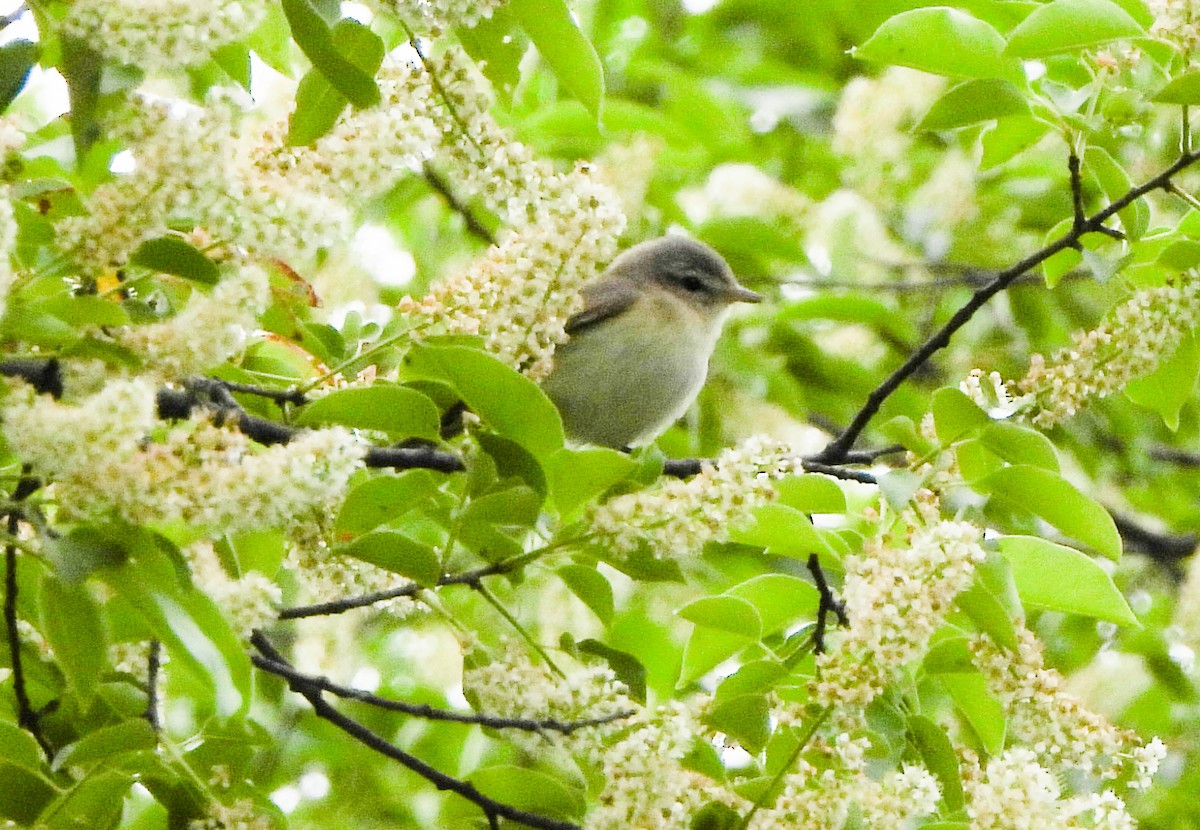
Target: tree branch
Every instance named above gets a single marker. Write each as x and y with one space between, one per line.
340 606
828 603
153 665
492 809
837 449
473 223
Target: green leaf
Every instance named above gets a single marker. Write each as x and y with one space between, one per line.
1135 218
716 816
176 256
811 494
85 310
982 712
16 60
1059 503
1009 138
1019 444
314 37
972 102
381 499
318 101
592 587
724 613
578 476
514 461
508 402
187 622
81 67
101 744
780 599
903 431
1055 267
755 677
496 49
746 719
940 758
993 602
95 802
1180 255
943 41
70 622
19 748
1059 578
1184 90
561 44
397 411
1171 384
955 415
1071 25
783 531
530 790
625 666
399 554
706 649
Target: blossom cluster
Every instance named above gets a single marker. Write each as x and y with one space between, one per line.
436 15
1130 343
1177 22
676 517
896 595
112 459
1064 734
8 239
240 815
249 601
160 34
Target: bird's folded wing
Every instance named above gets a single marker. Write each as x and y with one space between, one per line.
603 300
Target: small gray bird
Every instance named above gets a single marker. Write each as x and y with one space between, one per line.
638 352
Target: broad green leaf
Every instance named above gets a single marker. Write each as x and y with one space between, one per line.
1171 384
398 411
746 719
578 476
1181 255
1184 90
993 602
943 41
592 587
1135 218
16 60
19 748
984 714
189 624
1019 444
315 38
104 743
724 613
514 461
811 494
625 666
85 310
899 486
1069 25
780 599
955 415
496 49
940 758
755 677
715 816
975 460
706 649
530 790
176 256
508 402
553 30
399 554
903 431
95 802
1054 499
972 102
318 101
782 530
381 499
950 655
70 622
1009 138
81 67
1059 578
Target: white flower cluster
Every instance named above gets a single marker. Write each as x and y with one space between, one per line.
1064 734
160 34
1185 623
240 815
564 228
103 457
1177 22
249 601
1130 343
435 15
902 797
676 517
8 240
1014 790
896 596
209 329
322 575
738 189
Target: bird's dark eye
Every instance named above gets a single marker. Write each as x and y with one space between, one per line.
692 283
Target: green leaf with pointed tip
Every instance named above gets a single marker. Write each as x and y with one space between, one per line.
318 101
399 554
989 602
381 499
955 415
102 744
972 102
1054 499
811 494
16 60
398 411
706 649
782 530
70 622
724 613
1019 444
592 587
982 712
1184 90
176 256
315 38
507 401
578 476
628 669
19 748
780 599
1059 578
1135 217
94 802
745 718
1171 384
1071 25
530 790
943 41
553 30
940 758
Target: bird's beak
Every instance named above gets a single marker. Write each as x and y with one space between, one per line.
744 295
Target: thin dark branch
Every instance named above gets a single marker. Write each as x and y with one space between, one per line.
280 396
838 448
839 472
153 665
473 223
1173 455
828 603
1165 548
870 456
688 467
27 717
1074 168
494 810
409 589
428 712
